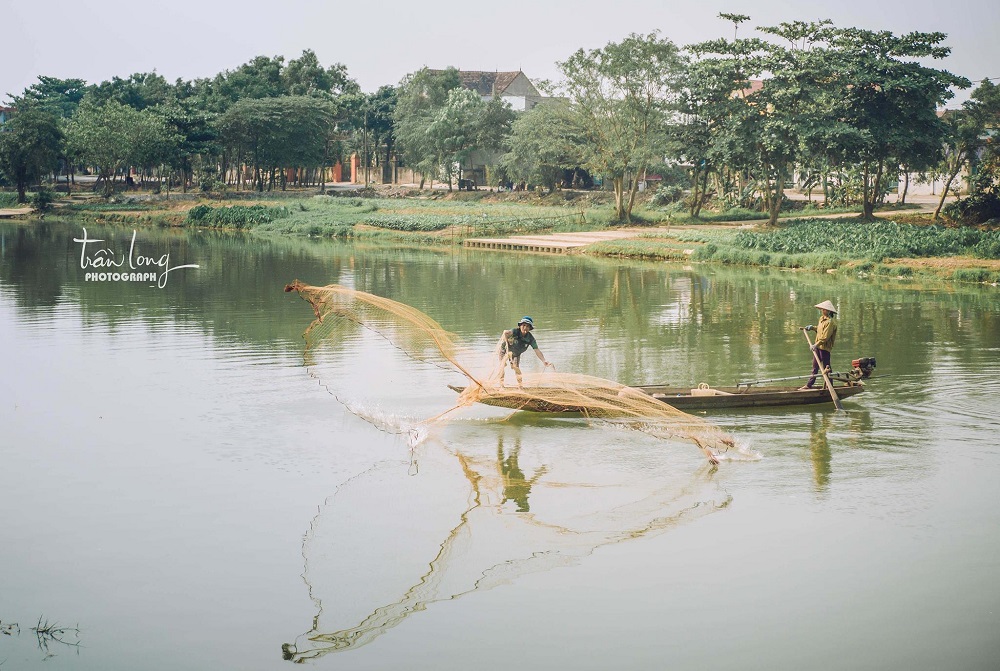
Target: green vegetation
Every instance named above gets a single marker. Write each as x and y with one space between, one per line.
240 217
356 217
848 109
977 275
876 240
851 245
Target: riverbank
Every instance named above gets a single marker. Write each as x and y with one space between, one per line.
905 241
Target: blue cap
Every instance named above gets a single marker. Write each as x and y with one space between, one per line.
527 320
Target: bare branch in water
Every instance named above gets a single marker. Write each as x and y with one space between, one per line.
51 632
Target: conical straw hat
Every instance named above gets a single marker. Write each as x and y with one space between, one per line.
827 305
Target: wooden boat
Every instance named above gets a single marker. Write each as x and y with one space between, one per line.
703 398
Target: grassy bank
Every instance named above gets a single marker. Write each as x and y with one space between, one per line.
907 246
880 247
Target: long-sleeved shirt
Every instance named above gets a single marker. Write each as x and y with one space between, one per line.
826 333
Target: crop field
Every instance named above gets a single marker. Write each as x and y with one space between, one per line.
877 240
356 217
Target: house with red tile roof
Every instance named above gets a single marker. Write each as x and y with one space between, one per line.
512 87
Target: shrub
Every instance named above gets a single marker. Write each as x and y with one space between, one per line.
666 195
198 213
980 207
42 199
973 275
239 217
988 247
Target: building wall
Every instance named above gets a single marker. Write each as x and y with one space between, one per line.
933 187
521 86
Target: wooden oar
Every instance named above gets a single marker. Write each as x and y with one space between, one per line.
822 369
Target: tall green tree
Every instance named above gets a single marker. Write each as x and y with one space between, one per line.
890 99
269 134
30 144
420 97
763 106
196 138
380 122
968 133
624 95
113 136
456 130
59 97
306 76
139 91
544 141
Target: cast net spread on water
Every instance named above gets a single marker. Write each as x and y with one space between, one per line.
422 338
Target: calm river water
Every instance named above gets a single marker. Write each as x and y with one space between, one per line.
183 487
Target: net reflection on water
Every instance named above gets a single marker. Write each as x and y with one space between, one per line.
395 539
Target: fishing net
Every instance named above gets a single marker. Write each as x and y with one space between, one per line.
478 518
421 338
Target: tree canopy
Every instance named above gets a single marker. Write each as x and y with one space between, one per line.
623 95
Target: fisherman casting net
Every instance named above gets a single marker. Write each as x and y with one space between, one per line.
421 338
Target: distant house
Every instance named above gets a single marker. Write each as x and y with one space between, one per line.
513 88
5 114
755 85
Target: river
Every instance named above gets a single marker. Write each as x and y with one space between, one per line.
182 486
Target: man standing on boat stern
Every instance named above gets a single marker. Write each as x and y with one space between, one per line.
513 343
826 334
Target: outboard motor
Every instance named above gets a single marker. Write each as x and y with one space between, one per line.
861 369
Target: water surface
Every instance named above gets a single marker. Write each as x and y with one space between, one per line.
183 486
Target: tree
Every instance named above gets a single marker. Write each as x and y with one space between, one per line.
890 102
544 141
114 136
420 96
623 95
139 91
195 135
30 143
305 76
457 129
59 97
763 106
272 133
380 123
966 135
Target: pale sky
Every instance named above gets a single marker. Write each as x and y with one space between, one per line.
381 41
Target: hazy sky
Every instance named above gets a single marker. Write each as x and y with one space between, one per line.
381 41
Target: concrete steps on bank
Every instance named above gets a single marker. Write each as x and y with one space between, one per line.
555 243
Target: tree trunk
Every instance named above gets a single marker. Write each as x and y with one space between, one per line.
947 185
695 197
906 187
775 198
866 200
704 191
877 197
618 186
632 192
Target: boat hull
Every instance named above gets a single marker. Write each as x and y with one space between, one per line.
718 398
